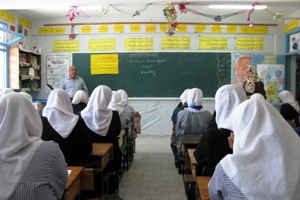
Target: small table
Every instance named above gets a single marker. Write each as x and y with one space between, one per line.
202 185
73 185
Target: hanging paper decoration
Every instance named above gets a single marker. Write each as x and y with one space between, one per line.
279 16
250 12
171 15
73 11
217 18
72 35
135 13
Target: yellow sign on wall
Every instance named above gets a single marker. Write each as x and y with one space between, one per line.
291 25
65 45
103 29
150 28
86 29
182 28
213 43
163 27
102 44
200 28
216 29
135 28
133 44
231 29
24 22
250 43
52 30
7 16
173 42
119 28
104 64
254 30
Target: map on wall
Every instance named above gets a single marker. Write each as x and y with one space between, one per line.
57 69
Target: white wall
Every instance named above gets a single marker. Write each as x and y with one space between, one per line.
274 44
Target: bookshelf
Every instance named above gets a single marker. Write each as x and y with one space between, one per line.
24 70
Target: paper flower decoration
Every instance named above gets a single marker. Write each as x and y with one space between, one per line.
73 11
171 16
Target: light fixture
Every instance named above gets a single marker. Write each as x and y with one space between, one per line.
259 7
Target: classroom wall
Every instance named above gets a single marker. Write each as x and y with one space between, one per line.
155 112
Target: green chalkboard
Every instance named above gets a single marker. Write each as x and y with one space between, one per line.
160 74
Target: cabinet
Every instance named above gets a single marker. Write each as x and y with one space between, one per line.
24 70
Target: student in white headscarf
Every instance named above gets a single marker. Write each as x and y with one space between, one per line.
28 96
79 101
213 145
129 110
104 124
174 138
193 120
30 167
257 96
289 108
6 91
62 126
266 157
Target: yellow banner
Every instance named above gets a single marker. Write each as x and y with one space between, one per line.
182 28
216 29
104 64
7 16
163 27
65 45
132 44
150 28
213 43
102 44
254 30
291 25
119 28
86 29
250 43
103 29
52 30
173 42
200 28
24 22
135 28
231 29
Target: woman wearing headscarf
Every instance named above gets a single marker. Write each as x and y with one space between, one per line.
266 157
213 145
257 96
253 83
79 101
62 126
104 124
129 110
289 108
193 120
174 138
30 167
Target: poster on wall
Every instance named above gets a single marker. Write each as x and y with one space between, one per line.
272 75
294 42
57 69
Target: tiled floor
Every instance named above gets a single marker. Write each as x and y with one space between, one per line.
152 175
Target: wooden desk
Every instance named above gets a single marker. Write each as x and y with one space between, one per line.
189 141
105 152
192 163
202 185
73 185
122 138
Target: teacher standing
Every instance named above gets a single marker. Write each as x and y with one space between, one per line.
73 83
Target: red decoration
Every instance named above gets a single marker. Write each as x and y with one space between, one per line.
73 11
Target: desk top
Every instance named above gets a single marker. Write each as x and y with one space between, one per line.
202 184
192 157
190 139
100 149
76 170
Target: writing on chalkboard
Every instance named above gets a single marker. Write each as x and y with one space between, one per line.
160 74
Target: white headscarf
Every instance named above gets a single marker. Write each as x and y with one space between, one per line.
287 97
183 96
124 96
28 96
97 115
116 103
226 99
6 91
59 112
20 136
266 156
195 97
79 96
257 96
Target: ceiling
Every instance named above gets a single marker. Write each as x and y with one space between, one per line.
39 9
